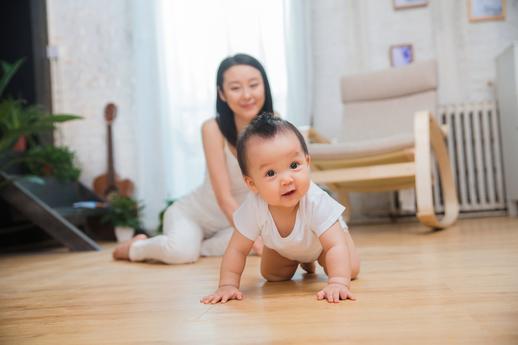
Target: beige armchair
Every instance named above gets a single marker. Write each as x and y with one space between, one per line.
389 137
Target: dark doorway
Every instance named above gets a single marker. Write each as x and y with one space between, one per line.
23 34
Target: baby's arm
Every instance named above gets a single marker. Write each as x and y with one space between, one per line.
337 264
232 267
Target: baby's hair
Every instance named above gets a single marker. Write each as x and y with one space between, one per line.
266 126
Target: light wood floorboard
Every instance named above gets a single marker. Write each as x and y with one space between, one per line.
456 286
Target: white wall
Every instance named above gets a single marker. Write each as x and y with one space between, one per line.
351 36
100 45
94 67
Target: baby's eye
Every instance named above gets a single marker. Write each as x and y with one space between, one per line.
270 173
294 165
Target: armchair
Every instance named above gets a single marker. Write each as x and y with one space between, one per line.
389 137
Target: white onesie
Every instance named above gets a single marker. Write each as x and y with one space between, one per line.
316 213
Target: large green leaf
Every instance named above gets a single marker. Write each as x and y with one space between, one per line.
59 118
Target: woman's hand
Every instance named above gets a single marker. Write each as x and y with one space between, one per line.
223 294
334 292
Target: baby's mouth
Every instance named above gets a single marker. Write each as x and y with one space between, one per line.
288 193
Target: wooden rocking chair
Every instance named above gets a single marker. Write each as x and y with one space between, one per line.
389 138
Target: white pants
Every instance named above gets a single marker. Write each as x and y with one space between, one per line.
183 241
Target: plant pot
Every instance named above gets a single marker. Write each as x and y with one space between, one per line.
21 144
124 233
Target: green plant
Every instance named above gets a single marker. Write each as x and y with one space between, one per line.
8 71
160 228
53 161
19 120
123 211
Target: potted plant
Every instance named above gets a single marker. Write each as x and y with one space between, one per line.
53 161
21 123
123 213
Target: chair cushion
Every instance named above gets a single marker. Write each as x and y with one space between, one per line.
360 148
420 76
384 118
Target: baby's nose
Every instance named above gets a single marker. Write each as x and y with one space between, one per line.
286 178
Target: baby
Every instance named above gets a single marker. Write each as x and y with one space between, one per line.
298 221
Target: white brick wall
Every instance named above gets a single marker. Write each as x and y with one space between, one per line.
351 36
94 67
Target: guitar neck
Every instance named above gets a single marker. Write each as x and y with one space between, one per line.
111 169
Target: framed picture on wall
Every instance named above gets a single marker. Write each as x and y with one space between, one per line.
403 4
482 10
401 54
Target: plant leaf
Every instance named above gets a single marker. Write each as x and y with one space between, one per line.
8 70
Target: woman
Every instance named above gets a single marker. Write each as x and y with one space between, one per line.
201 222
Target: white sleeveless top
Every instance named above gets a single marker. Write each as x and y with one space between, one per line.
201 204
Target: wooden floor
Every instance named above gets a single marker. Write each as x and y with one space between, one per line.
458 286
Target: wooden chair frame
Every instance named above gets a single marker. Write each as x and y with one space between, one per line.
399 169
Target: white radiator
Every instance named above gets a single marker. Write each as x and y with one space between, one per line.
474 149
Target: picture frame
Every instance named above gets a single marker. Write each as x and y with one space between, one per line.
486 10
401 54
405 4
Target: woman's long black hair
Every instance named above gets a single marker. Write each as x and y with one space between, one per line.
225 116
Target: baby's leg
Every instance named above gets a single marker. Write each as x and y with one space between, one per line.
309 267
275 267
354 259
180 243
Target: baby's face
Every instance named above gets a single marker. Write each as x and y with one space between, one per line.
278 169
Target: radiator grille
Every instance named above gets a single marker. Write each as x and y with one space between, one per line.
474 150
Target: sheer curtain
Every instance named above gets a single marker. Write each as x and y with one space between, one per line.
190 39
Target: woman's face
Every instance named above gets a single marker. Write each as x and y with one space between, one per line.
243 91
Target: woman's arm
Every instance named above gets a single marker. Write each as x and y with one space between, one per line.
213 148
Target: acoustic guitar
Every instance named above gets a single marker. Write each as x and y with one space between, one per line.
109 183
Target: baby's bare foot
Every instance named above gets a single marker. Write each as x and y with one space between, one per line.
121 252
309 267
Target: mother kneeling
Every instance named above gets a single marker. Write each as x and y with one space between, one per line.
200 223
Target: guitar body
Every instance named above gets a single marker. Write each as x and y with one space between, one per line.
103 187
108 183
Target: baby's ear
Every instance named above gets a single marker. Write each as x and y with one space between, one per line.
250 184
308 159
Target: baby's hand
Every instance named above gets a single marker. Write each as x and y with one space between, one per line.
223 294
334 292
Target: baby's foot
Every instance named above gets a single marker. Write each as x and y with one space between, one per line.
121 252
309 267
